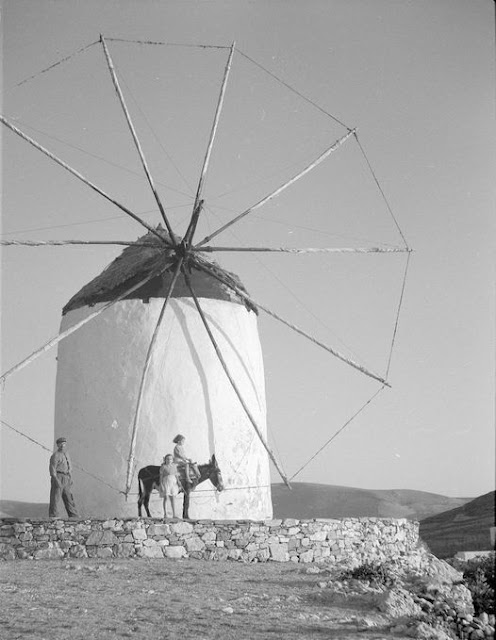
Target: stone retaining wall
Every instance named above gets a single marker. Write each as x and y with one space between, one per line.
359 539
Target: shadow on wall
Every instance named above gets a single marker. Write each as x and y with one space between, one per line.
181 318
233 346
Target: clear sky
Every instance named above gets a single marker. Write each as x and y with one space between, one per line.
416 79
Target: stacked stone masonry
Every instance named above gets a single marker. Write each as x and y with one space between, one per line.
359 539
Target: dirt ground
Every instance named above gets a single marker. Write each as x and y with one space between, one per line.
169 599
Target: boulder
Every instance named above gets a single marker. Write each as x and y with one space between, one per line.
279 552
174 552
307 556
48 554
158 530
221 553
78 551
397 603
123 550
181 528
101 539
155 551
194 544
441 572
139 534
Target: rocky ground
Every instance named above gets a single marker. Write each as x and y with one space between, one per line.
168 599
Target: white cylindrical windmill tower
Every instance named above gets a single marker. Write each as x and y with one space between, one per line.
186 389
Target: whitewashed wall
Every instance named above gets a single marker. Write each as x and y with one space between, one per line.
187 391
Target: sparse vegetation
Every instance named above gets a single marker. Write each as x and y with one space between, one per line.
479 577
376 574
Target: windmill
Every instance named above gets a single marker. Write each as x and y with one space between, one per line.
167 268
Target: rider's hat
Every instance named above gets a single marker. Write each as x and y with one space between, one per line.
178 438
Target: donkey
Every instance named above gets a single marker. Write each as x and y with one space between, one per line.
149 479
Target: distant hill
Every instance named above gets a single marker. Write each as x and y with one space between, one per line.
465 528
308 500
18 509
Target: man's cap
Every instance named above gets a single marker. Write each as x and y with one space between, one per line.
60 440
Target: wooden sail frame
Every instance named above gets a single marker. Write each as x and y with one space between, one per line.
184 254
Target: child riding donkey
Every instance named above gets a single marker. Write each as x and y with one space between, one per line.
191 471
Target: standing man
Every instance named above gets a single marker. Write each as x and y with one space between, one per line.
61 481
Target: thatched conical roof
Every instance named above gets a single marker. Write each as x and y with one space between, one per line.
141 259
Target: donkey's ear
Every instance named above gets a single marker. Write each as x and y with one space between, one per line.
213 458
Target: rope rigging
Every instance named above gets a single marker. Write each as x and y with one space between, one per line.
291 292
288 86
97 157
335 145
381 190
330 250
88 473
189 251
190 189
397 319
341 429
104 482
55 64
159 141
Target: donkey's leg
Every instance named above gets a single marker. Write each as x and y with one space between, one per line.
186 504
145 502
140 497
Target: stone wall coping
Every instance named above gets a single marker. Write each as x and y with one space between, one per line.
272 522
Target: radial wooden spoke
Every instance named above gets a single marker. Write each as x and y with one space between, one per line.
78 175
243 295
218 110
211 249
134 134
277 191
59 243
148 359
51 343
234 385
188 236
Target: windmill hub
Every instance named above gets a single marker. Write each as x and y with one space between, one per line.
182 250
